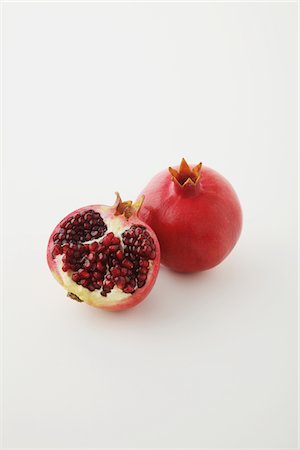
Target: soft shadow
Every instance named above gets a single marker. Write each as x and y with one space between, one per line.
173 294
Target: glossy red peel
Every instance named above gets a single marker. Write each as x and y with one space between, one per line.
195 214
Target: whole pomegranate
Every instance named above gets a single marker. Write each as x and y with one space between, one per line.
195 214
105 255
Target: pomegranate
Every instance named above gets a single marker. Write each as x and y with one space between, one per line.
195 214
105 256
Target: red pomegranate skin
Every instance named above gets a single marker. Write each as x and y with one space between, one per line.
197 224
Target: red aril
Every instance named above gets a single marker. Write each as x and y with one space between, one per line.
105 255
195 214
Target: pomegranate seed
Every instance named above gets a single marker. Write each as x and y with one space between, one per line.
102 257
92 257
132 282
97 275
142 277
56 251
65 267
115 271
94 246
115 241
119 255
106 289
65 223
120 282
113 248
152 255
128 289
100 266
107 239
87 264
85 274
76 277
128 264
109 284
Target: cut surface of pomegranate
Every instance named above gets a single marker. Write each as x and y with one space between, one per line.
195 214
105 256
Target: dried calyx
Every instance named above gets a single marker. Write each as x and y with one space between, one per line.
186 175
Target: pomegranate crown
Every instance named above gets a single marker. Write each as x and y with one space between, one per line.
185 175
127 208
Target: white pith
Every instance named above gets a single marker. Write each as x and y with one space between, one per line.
116 225
83 293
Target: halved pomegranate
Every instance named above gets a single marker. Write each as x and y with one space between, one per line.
105 255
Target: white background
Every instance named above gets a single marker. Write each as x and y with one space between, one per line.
99 97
